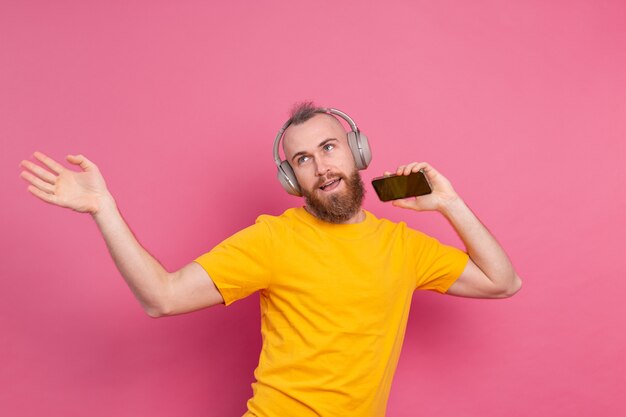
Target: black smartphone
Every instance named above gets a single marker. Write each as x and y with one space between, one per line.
395 187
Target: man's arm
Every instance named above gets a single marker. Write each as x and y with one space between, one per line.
159 291
489 272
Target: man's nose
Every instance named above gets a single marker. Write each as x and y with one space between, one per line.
321 168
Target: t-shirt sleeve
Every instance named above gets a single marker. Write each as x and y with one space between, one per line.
437 265
241 264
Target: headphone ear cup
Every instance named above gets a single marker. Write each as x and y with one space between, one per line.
365 149
288 179
360 148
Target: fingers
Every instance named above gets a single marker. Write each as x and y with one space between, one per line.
47 176
404 203
42 185
49 162
48 198
410 168
414 167
80 160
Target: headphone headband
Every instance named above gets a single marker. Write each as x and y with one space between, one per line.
357 142
325 110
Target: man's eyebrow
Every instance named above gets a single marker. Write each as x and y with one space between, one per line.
321 144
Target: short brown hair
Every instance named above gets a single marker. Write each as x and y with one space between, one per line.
301 112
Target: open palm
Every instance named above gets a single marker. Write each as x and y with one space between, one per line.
81 191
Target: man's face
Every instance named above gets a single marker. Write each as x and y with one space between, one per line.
318 152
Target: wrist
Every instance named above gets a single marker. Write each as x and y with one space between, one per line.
105 204
451 206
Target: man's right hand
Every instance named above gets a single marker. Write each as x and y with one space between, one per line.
160 292
84 191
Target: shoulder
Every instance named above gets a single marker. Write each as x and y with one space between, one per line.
385 224
270 220
278 224
401 230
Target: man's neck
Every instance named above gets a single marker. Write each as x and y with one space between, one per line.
358 217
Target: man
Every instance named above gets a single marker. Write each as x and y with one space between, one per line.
335 282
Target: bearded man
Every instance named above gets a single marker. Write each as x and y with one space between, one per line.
335 281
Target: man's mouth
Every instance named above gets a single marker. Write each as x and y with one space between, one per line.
330 184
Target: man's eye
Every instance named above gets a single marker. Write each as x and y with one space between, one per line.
329 147
302 160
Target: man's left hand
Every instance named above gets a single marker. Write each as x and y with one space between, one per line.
443 194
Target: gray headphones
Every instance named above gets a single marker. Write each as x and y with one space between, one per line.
357 142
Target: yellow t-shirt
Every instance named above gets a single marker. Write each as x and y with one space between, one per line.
334 305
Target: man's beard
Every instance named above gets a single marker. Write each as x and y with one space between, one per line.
338 207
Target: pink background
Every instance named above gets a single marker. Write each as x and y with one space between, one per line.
521 104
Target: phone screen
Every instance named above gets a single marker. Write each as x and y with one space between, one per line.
395 187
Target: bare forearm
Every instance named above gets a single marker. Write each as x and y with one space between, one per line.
143 273
481 246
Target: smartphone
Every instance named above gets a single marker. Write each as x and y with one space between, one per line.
395 187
